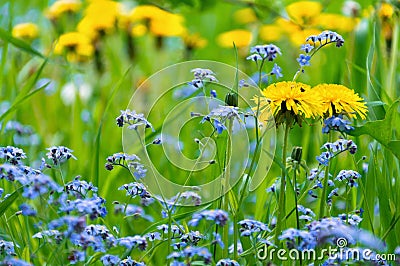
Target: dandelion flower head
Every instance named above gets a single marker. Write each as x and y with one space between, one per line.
338 99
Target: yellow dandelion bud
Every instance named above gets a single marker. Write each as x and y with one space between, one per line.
241 38
25 31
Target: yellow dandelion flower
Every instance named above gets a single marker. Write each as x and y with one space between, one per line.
270 33
160 22
245 16
289 101
304 12
242 38
106 8
167 25
146 12
193 41
75 45
93 24
25 31
63 6
338 99
386 11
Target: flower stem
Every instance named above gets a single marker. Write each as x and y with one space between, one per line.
295 197
281 207
226 185
260 73
325 185
235 236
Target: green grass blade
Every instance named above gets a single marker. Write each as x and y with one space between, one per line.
7 37
5 204
20 101
96 159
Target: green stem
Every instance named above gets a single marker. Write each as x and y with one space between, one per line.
226 185
296 202
169 229
235 237
281 207
325 184
295 196
348 189
259 73
393 62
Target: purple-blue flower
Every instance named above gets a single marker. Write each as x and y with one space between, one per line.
304 60
306 48
220 217
109 260
277 71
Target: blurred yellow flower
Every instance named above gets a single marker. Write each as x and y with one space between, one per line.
385 11
241 38
270 33
160 22
146 12
289 101
75 45
338 99
25 31
138 30
304 12
286 25
62 6
167 25
245 16
193 41
299 37
337 22
100 18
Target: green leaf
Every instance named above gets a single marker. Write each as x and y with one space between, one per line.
382 130
5 204
26 254
7 37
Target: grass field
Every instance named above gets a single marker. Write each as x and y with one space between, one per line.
199 132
